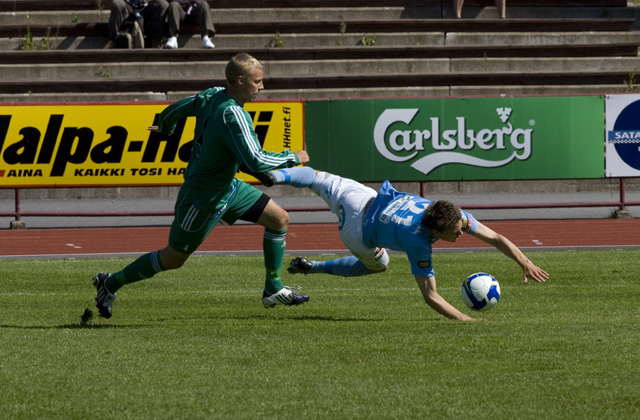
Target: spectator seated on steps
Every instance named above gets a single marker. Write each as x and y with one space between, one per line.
190 11
130 20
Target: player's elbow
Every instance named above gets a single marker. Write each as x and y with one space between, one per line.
253 166
494 241
431 298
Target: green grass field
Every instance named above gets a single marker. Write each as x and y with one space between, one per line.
197 344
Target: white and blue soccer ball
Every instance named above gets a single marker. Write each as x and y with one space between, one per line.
480 291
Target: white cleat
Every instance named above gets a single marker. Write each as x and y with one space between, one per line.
284 296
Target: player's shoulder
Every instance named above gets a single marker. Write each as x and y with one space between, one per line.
232 111
212 91
211 96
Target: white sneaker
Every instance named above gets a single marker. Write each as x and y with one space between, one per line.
172 43
206 43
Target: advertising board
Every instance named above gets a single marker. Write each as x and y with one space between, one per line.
451 139
110 145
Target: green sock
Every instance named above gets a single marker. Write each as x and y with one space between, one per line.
146 266
273 244
273 283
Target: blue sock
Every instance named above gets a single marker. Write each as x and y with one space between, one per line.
300 177
345 267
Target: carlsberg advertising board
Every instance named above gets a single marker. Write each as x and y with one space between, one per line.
458 138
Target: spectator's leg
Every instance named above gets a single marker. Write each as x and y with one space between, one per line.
154 17
203 14
120 11
502 8
457 7
175 15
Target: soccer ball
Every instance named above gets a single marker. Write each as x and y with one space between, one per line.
480 291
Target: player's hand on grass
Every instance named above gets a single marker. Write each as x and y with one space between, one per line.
302 156
536 273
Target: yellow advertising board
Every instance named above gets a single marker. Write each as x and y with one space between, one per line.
109 144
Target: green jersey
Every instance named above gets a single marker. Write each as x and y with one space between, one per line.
223 139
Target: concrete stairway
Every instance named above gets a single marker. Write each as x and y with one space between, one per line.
391 48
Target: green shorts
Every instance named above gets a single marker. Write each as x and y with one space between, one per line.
191 225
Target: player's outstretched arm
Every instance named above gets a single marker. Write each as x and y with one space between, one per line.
427 286
504 245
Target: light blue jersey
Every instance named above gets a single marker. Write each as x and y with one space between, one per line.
394 222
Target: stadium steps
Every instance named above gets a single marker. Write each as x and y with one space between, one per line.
313 81
557 11
35 5
53 57
419 51
397 40
99 29
326 71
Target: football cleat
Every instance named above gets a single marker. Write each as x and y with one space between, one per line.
285 296
104 298
266 178
300 265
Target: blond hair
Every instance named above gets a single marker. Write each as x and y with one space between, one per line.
240 65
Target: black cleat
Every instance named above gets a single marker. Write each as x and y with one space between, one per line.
299 265
285 296
266 178
104 298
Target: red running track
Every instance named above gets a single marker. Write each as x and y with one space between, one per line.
307 237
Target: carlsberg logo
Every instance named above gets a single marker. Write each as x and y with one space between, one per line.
451 145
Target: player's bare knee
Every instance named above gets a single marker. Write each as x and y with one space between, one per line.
283 220
274 217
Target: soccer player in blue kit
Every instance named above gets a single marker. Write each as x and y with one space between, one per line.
371 221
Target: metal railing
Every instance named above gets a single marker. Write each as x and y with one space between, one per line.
621 204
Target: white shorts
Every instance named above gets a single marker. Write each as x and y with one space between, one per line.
347 198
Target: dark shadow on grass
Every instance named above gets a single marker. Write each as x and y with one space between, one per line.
68 327
281 317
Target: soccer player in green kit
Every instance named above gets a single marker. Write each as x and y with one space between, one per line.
224 139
